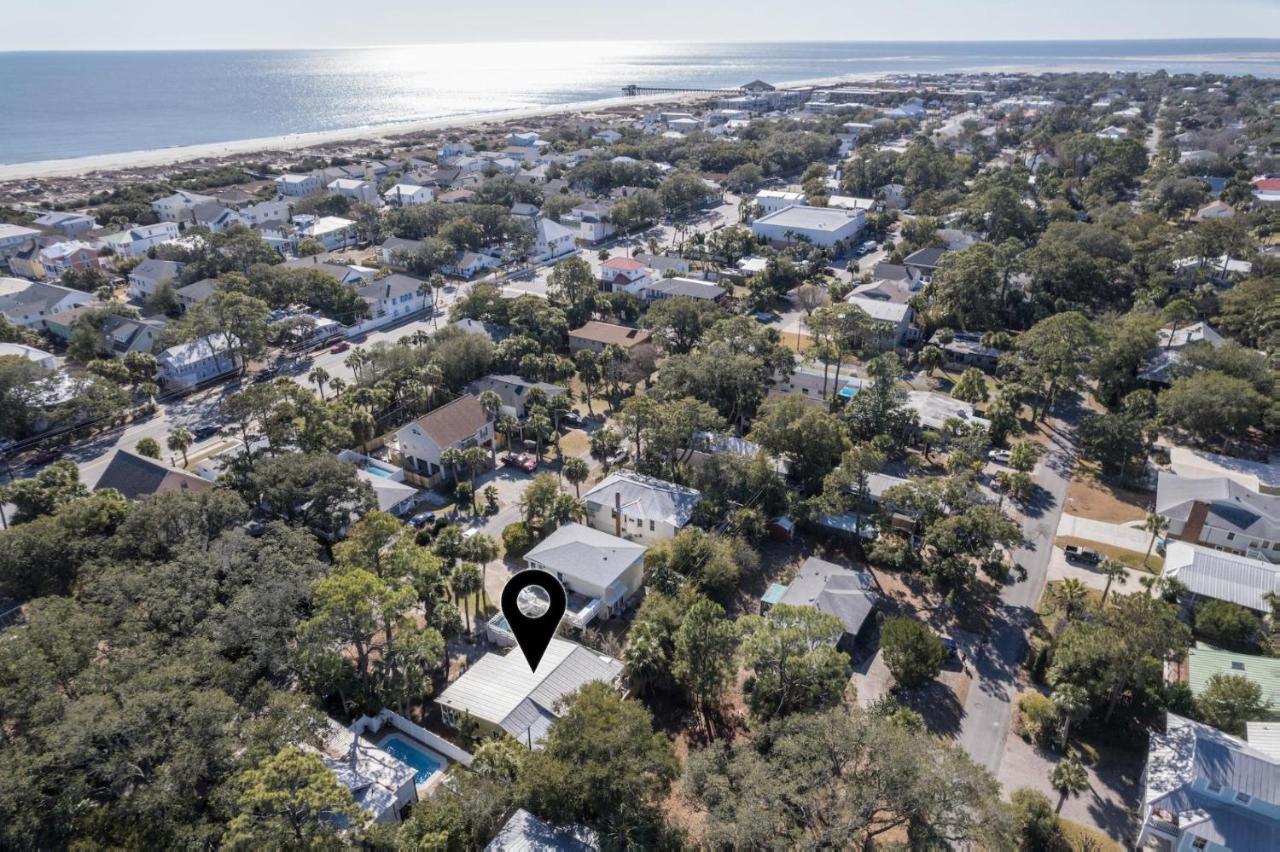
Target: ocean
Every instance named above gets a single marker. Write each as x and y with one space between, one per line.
57 105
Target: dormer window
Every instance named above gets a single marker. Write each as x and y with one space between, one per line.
1244 798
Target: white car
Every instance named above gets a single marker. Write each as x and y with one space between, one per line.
1000 456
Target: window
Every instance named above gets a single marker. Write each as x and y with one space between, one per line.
1231 536
1215 787
1199 843
1237 665
651 526
1244 798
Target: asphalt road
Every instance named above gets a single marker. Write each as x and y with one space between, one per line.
988 708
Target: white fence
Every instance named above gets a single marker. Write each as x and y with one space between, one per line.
373 725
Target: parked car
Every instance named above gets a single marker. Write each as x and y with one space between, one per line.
339 347
421 519
572 419
1082 554
45 457
764 317
1000 456
617 458
204 433
264 375
523 461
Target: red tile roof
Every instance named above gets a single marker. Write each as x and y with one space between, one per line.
1268 184
627 264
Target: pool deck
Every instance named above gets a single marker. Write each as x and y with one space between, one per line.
435 780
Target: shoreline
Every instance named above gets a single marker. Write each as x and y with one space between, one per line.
124 161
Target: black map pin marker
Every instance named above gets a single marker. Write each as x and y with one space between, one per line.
533 635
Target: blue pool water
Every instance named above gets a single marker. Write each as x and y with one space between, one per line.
373 470
424 763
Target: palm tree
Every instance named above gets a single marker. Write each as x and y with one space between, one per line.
437 284
451 458
1112 569
1072 702
465 582
179 440
1069 597
319 377
576 470
473 458
540 424
1069 778
337 385
355 361
1155 524
492 404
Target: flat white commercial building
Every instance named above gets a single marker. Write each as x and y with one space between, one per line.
821 226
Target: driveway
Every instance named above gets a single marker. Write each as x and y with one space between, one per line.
1116 535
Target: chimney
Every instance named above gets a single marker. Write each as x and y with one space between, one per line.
617 513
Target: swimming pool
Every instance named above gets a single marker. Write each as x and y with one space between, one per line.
374 470
424 763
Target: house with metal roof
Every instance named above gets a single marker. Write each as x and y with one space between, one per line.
524 832
819 226
501 693
603 570
1162 364
847 594
1204 661
1222 513
935 409
189 364
668 288
638 507
1218 575
1204 789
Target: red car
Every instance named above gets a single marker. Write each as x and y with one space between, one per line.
339 347
524 461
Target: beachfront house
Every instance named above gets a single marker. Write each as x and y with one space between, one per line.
332 232
298 186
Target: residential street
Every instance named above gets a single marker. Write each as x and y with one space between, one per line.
997 657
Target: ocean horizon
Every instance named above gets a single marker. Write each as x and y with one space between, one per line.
70 104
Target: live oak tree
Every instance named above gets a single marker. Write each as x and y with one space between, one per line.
1050 357
913 653
1228 701
843 779
794 664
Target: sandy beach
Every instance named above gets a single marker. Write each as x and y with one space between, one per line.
131 160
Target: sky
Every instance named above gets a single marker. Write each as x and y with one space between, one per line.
228 24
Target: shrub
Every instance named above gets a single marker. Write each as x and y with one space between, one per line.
1039 717
518 539
1036 822
911 650
1225 623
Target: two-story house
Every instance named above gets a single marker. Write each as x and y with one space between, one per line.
625 274
641 508
604 570
1206 790
298 186
460 424
179 206
150 275
59 258
189 364
515 392
392 298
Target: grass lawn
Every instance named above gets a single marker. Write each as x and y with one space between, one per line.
1131 558
1083 837
1090 497
575 443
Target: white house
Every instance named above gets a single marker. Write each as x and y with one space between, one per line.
362 191
524 832
39 357
297 186
150 275
178 206
275 210
332 232
935 409
1222 513
605 570
773 200
138 241
460 424
1206 790
821 226
391 491
593 221
610 137
393 297
890 320
408 194
189 364
501 693
552 240
14 238
641 508
624 273
30 303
